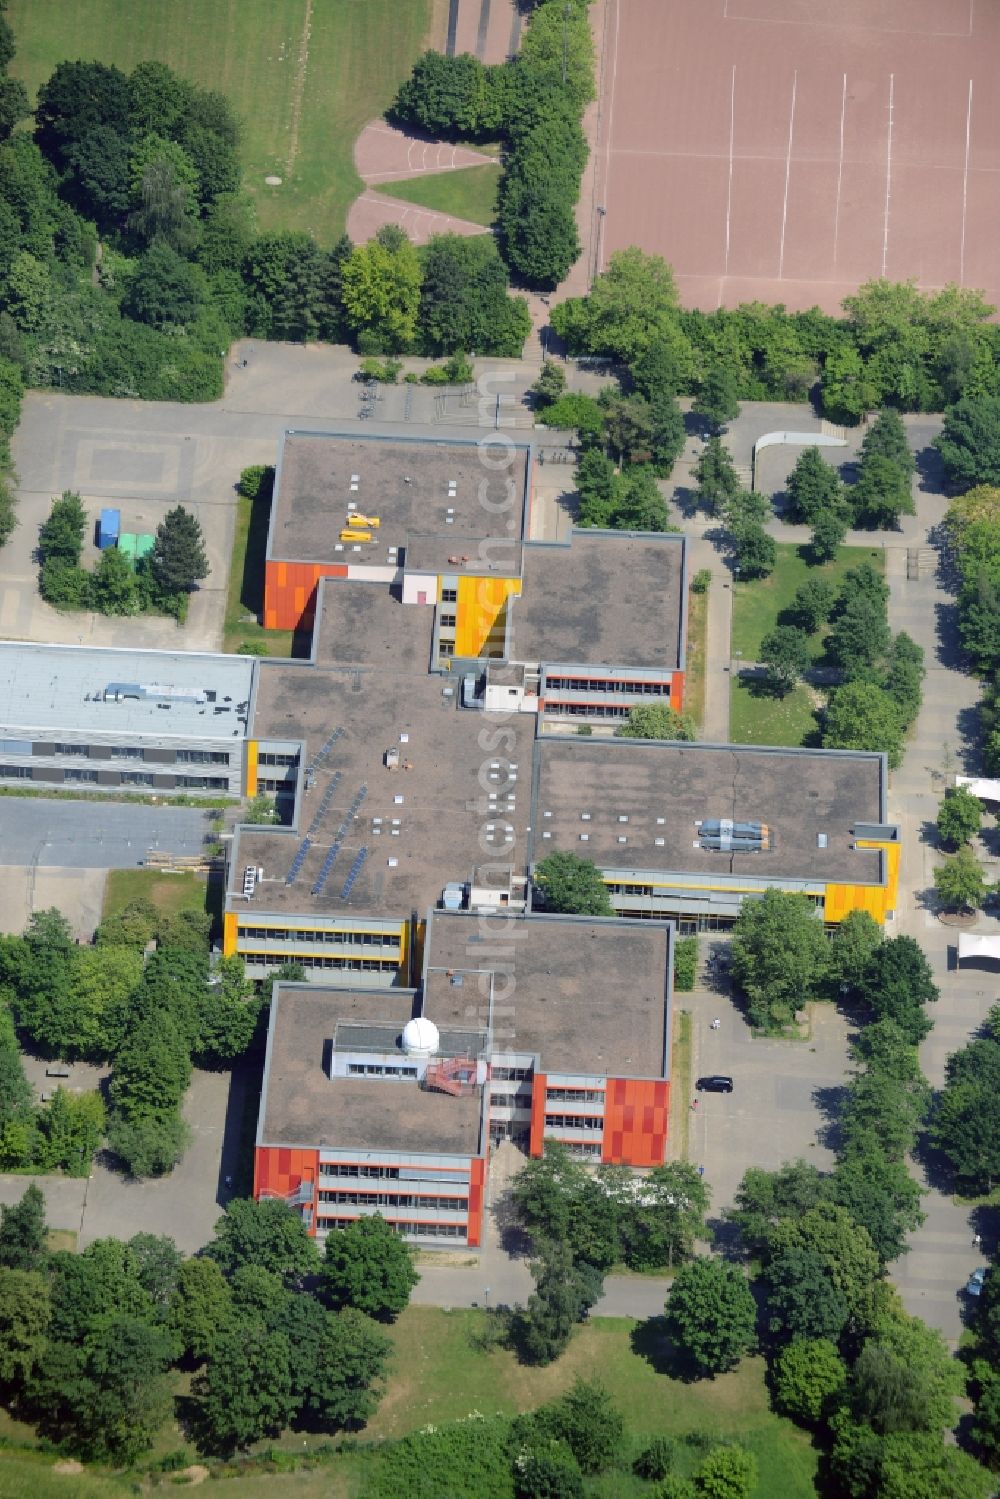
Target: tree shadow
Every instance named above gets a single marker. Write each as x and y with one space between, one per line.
650 1341
829 1103
515 1240
930 472
850 471
727 1239
948 648
938 1173
970 732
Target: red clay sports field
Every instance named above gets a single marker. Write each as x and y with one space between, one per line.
787 150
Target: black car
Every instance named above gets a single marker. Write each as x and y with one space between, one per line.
714 1084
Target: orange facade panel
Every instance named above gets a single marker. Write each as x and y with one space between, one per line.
539 1087
677 691
477 1192
636 1116
279 1170
290 592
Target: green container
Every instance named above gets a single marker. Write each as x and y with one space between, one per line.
145 544
128 544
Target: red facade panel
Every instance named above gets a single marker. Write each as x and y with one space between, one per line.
279 1170
636 1115
538 1089
477 1192
677 691
290 592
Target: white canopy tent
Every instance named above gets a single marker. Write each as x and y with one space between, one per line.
978 945
986 790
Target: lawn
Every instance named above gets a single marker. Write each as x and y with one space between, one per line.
245 597
694 666
470 193
170 893
770 720
304 75
22 1474
757 605
680 1085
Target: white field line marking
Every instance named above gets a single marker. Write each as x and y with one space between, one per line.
888 176
788 173
299 87
729 190
965 186
972 12
611 111
840 172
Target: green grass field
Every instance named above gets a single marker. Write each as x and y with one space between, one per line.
168 892
770 720
304 76
245 598
470 193
756 605
694 673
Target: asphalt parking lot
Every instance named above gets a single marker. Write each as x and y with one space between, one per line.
38 831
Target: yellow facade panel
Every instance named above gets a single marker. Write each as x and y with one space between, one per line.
252 749
479 606
229 934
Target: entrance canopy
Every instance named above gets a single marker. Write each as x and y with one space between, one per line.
978 945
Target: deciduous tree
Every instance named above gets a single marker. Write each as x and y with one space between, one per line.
369 1267
656 721
711 1315
779 955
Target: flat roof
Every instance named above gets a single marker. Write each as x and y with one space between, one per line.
182 693
609 598
585 995
436 488
663 790
438 830
366 624
301 1105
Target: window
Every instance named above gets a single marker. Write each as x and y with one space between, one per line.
449 595
269 758
446 647
574 1095
449 621
582 1150
126 752
202 757
337 1168
345 1197
81 775
15 772
71 749
204 783
378 1069
136 778
574 1121
511 1074
320 936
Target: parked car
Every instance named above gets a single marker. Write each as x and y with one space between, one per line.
975 1282
714 1084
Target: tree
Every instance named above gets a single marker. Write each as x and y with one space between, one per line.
546 1469
860 636
905 1378
14 105
844 1247
779 955
267 1234
899 984
960 816
148 1144
587 1420
166 289
880 1195
802 1300
569 883
61 536
728 1473
814 488
716 402
656 721
809 1376
754 551
860 716
639 504
716 477
178 558
369 1267
114 588
886 438
903 1465
655 1461
245 1389
228 1012
765 1198
561 1202
882 493
200 1307
631 309
157 98
959 883
106 1398
812 604
828 532
550 385
985 1426
338 1360
666 434
446 97
100 182
786 655
711 1315
163 192
969 443
23 1232
381 292
24 1320
77 98
70 1129
465 304
965 1125
855 939
564 1293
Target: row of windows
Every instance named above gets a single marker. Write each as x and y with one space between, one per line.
337 1168
15 772
266 757
574 1095
133 752
346 1198
511 1074
424 1230
609 684
581 1150
319 936
587 710
202 757
266 784
204 783
377 1069
310 960
126 778
574 1121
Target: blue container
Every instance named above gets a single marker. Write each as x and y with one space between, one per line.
111 524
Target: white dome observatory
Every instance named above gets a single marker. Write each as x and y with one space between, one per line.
420 1037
